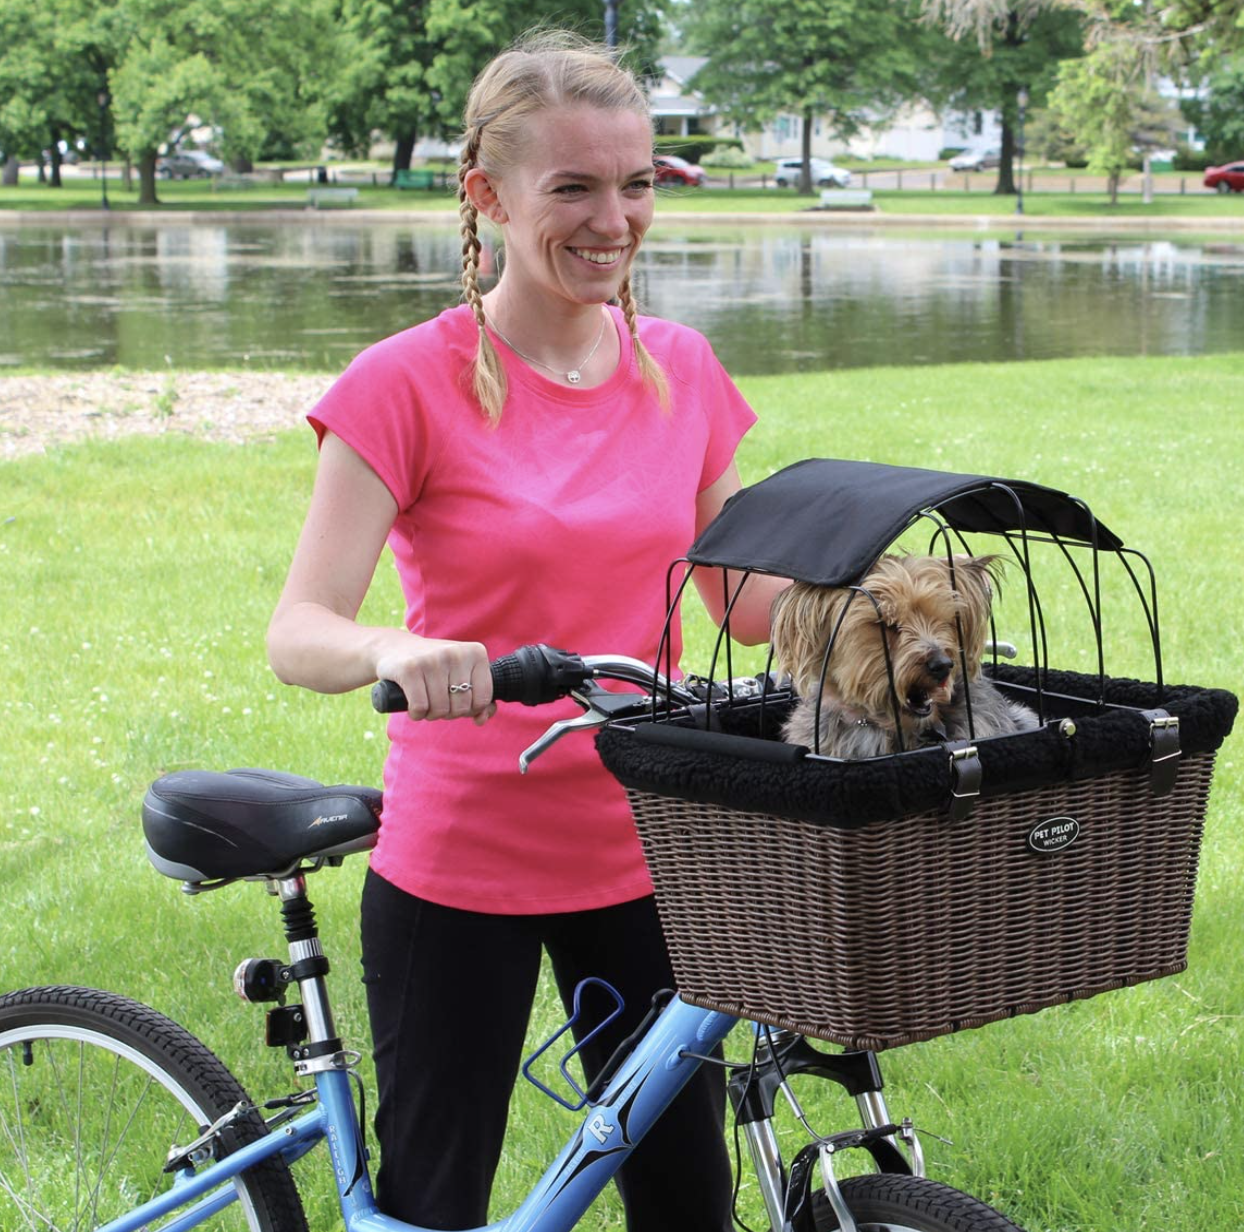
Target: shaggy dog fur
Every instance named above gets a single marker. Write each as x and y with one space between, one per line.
897 656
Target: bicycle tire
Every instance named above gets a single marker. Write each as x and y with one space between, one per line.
94 1091
890 1202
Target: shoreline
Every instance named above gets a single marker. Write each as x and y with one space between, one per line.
810 217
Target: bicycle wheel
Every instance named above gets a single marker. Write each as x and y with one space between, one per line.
888 1202
95 1089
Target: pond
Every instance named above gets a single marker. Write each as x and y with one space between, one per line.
771 299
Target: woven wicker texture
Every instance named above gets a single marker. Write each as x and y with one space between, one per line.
907 929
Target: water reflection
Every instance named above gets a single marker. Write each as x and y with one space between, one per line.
770 299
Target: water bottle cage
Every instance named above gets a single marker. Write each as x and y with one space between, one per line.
581 1097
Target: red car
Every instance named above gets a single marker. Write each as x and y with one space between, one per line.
673 170
1227 178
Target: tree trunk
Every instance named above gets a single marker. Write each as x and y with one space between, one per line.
403 152
805 149
1005 186
54 158
8 177
1006 162
1113 184
243 166
147 178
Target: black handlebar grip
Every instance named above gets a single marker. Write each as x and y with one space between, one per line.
532 675
387 697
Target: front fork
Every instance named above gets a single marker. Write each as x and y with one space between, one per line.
780 1056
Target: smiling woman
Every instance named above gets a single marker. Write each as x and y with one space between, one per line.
534 458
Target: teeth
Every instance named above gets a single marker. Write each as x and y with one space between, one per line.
598 258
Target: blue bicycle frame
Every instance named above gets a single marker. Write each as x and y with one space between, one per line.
639 1092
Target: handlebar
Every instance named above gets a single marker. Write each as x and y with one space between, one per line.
537 675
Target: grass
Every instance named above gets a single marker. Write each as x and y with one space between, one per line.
139 576
84 196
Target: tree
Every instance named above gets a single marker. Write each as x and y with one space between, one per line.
1219 115
1000 51
468 33
206 58
850 61
52 67
1107 100
384 84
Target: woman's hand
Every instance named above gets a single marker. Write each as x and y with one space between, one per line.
441 679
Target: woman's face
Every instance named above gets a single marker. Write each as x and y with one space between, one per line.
575 203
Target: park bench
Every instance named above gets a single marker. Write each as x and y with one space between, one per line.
319 198
846 199
419 177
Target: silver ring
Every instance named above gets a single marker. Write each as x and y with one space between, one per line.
464 687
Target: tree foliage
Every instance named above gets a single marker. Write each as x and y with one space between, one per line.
848 61
1219 114
1109 102
201 58
999 52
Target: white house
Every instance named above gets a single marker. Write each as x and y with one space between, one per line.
916 132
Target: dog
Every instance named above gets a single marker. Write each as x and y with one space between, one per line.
922 623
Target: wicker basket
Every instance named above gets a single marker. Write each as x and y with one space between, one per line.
892 899
889 933
841 900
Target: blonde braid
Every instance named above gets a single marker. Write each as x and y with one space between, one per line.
487 374
650 371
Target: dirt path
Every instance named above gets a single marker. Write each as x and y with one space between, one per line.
39 412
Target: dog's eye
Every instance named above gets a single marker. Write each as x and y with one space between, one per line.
891 626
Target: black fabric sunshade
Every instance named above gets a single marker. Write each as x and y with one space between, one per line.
826 521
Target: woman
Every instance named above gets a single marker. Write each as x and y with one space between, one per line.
535 459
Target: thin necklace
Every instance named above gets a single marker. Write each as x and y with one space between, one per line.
575 375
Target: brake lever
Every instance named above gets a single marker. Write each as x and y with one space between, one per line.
600 706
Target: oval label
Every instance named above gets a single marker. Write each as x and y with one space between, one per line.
1056 834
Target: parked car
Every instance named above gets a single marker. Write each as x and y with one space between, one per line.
976 160
1227 178
188 165
671 169
824 173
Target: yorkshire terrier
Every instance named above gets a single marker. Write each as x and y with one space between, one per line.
931 621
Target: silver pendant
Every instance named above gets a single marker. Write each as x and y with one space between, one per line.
573 376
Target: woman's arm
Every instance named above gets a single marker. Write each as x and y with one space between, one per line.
749 618
314 638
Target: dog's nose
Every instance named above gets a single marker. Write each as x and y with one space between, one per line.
938 666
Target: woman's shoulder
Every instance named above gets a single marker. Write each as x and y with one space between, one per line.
440 338
657 331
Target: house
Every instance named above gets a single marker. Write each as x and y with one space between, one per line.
916 132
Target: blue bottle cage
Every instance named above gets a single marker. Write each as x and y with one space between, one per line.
571 1082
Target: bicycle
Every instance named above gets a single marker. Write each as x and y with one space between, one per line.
114 1117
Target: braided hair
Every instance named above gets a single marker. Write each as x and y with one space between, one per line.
542 70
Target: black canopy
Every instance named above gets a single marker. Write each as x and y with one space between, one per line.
827 521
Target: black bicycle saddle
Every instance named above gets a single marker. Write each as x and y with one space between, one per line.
207 825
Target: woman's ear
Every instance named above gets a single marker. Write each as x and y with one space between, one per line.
481 191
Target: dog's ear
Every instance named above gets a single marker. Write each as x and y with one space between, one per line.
974 579
802 620
977 577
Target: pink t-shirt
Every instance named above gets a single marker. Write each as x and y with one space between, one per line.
557 526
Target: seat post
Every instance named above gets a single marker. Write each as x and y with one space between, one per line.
308 967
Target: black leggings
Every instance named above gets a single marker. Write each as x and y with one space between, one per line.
449 994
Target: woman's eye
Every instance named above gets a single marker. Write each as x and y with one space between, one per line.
640 185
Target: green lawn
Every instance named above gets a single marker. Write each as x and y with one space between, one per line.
83 197
138 578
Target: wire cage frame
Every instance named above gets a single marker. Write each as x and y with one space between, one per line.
1023 516
878 902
